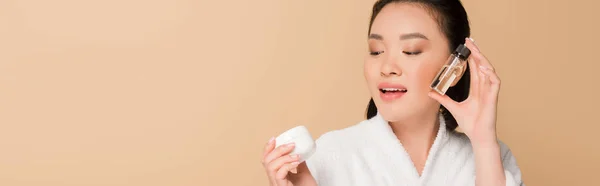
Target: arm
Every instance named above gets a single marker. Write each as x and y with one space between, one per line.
494 164
488 163
511 169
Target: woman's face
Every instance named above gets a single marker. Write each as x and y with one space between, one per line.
407 49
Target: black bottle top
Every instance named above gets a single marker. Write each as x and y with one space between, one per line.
462 52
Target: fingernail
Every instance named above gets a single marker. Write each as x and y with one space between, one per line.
295 163
294 170
290 144
484 68
294 156
474 44
271 140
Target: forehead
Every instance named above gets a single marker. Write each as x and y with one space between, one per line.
401 18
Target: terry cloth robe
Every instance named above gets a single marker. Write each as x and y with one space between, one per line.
370 154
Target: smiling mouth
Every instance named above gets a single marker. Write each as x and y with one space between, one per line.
392 90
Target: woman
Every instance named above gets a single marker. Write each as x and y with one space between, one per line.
409 137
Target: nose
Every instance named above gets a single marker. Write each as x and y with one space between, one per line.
390 67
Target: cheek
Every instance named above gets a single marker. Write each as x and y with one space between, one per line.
371 72
425 74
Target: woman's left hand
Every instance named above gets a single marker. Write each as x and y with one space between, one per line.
476 116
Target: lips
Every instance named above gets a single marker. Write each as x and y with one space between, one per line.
391 91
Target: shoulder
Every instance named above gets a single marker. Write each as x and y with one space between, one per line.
336 145
348 133
344 139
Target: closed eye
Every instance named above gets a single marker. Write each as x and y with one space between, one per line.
411 53
376 53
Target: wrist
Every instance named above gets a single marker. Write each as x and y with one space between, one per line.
487 137
488 140
485 145
488 143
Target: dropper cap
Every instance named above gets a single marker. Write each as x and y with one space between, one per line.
462 51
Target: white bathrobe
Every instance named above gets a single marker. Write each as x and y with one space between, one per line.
369 154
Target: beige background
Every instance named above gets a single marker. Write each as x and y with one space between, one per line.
182 92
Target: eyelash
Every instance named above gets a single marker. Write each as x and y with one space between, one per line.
405 52
411 53
376 53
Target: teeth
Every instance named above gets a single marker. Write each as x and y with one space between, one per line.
393 89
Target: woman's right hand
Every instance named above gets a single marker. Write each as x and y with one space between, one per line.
278 164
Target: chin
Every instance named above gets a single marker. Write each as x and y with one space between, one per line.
393 112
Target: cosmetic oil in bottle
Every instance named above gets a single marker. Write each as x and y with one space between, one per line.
451 70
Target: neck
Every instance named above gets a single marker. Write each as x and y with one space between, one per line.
418 131
417 137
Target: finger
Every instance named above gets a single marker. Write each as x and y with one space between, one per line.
279 151
269 147
276 164
493 76
494 79
483 61
294 171
474 85
470 43
486 81
283 171
483 85
446 101
476 53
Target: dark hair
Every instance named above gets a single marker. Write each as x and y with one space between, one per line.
454 24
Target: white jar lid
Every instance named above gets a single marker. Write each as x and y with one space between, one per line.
304 144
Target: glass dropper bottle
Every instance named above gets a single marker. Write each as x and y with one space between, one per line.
452 70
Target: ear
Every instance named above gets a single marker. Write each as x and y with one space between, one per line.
460 75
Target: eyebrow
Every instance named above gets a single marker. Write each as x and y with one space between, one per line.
414 35
375 36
